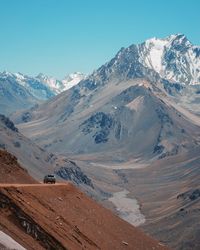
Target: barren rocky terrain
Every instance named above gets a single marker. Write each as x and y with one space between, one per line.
171 208
11 171
47 216
128 135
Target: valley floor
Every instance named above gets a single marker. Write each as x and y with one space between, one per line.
151 194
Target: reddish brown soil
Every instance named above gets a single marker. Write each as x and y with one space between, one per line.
11 171
67 217
48 216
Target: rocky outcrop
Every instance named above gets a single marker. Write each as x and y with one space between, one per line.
73 173
190 195
8 123
99 124
41 161
26 223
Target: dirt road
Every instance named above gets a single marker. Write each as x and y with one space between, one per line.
32 185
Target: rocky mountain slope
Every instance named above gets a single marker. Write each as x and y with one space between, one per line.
134 124
11 171
61 217
36 160
169 193
112 116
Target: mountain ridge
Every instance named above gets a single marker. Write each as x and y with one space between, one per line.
130 127
19 91
171 57
110 91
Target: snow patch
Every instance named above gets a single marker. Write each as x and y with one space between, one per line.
9 242
58 86
153 53
128 208
174 58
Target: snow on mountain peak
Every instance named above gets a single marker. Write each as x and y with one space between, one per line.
58 86
153 52
19 75
160 43
6 74
72 79
173 57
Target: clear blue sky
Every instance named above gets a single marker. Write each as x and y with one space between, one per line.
57 37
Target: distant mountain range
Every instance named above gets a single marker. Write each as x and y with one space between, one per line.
173 59
131 98
20 91
58 86
132 124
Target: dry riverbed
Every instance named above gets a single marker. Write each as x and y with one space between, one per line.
128 208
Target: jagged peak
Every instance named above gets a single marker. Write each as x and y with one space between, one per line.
180 39
41 75
17 75
175 36
6 73
169 40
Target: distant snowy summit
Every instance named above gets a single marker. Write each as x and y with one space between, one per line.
42 87
58 86
73 79
19 91
32 85
175 58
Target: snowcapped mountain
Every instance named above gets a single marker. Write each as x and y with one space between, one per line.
58 86
123 102
33 85
19 91
125 115
14 96
174 58
72 79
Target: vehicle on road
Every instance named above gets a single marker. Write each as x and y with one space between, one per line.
50 178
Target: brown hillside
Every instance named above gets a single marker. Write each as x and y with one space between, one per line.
61 217
46 216
11 171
